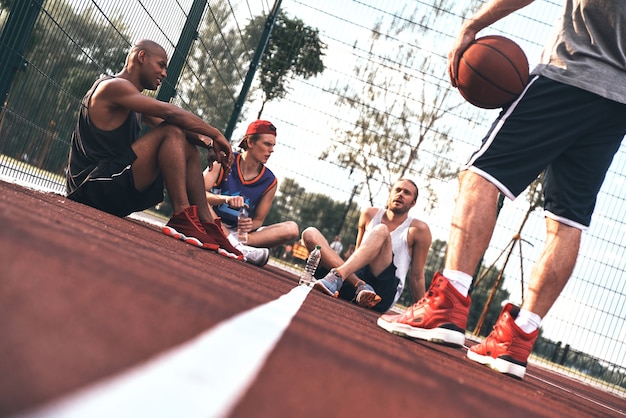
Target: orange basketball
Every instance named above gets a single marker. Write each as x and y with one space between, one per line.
493 71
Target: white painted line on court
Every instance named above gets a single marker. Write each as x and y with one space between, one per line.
204 377
586 398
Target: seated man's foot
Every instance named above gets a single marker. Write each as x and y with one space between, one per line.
253 255
226 249
186 226
366 296
330 284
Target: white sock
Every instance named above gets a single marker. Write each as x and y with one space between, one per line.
233 240
527 321
459 280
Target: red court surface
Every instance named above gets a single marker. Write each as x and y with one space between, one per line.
85 296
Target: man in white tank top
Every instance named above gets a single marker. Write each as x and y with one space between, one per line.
389 245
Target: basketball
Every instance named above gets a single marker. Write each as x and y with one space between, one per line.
492 72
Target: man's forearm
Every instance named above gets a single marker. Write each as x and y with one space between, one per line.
493 11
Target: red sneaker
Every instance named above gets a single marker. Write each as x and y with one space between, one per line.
186 226
507 347
226 249
440 316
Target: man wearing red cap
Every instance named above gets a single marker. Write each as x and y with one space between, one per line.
250 183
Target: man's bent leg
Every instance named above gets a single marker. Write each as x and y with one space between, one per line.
312 237
376 251
148 149
274 235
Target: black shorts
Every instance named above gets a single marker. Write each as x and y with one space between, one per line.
385 285
111 188
570 133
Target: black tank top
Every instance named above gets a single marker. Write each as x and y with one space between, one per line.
91 146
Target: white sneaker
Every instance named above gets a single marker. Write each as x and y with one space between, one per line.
253 255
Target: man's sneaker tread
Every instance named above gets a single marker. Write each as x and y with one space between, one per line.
507 347
330 284
366 296
440 335
215 233
255 255
186 226
227 254
324 287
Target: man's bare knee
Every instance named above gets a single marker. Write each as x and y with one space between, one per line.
310 236
170 130
292 230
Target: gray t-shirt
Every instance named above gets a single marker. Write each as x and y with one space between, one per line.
587 48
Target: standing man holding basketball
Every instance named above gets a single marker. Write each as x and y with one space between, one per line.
568 123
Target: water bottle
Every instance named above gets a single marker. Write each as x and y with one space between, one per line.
242 235
306 277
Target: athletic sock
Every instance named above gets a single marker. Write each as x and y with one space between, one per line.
338 273
527 321
459 280
233 240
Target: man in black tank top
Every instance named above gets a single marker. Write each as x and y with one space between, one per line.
115 169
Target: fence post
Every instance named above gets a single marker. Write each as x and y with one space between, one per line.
258 53
187 36
13 39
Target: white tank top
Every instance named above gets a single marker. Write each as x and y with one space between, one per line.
400 245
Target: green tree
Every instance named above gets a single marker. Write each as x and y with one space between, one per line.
288 199
292 202
50 110
294 50
211 80
481 292
6 4
395 114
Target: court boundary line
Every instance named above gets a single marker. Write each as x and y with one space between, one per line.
180 382
571 392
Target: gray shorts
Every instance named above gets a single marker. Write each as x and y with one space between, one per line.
570 133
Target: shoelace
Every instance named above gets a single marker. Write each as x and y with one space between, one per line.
196 222
429 294
336 276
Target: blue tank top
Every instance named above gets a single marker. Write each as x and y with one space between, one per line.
235 185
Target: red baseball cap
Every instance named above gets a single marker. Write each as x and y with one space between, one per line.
261 127
258 127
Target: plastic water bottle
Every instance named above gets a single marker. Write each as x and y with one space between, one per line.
242 235
306 277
